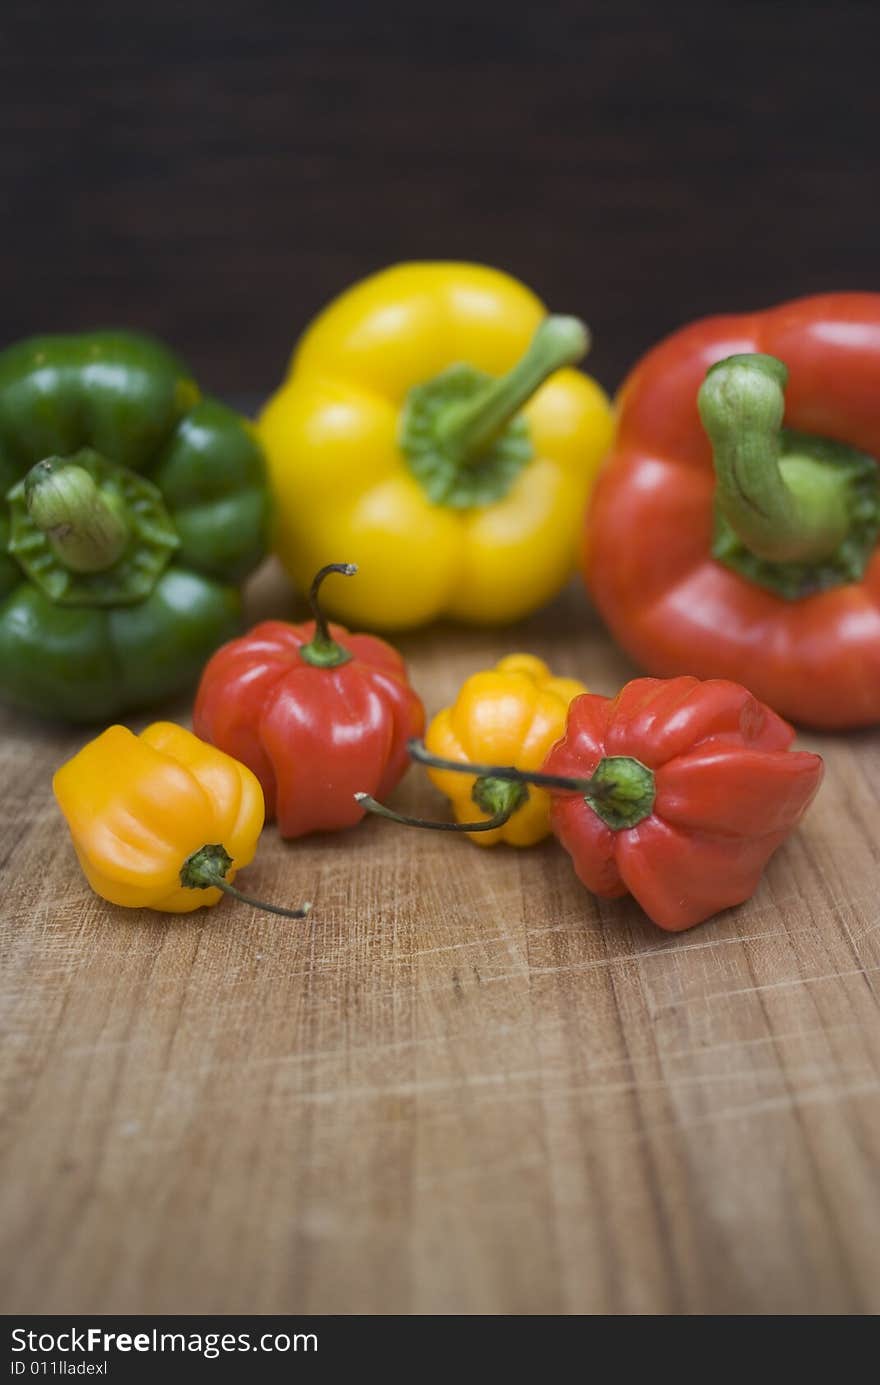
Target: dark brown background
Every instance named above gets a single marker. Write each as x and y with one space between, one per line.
215 170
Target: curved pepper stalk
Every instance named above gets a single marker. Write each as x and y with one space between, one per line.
620 791
207 869
794 513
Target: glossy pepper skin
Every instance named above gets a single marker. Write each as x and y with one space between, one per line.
693 786
140 808
315 712
511 714
384 443
130 509
769 598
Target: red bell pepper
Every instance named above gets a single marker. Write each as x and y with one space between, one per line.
314 712
721 544
675 791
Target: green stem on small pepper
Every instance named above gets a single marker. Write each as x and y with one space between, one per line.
508 798
322 650
621 790
206 869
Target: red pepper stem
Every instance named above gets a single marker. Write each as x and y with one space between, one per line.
485 825
621 791
322 650
785 507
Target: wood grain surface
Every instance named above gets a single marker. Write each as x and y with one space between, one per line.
463 1086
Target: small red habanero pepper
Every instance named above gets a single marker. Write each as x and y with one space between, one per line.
675 791
314 712
723 544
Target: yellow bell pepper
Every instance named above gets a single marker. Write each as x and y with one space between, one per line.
430 430
510 715
161 820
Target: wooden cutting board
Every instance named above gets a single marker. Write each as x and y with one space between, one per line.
462 1086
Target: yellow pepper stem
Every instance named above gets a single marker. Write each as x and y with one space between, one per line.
463 434
465 430
206 869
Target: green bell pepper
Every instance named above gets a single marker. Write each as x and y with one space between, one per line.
133 509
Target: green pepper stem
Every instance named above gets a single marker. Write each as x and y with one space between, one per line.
791 509
484 825
419 751
86 531
300 913
621 790
322 650
206 869
469 428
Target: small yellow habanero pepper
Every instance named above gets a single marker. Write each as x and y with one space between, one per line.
510 715
162 820
429 428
